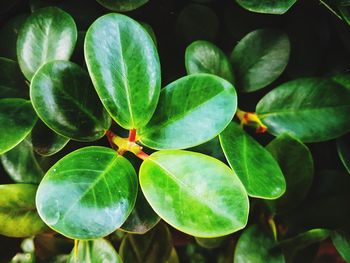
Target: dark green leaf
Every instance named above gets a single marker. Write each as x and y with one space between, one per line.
17 118
183 186
343 147
18 215
191 111
48 34
87 194
257 169
64 98
309 109
210 243
297 165
267 6
260 58
122 5
341 241
124 68
204 57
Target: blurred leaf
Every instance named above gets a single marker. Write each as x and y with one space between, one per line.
122 5
343 147
342 243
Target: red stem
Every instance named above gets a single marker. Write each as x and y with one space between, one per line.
132 135
142 155
110 135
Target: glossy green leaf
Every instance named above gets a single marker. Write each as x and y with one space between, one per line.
152 247
260 58
254 246
309 109
88 193
191 110
45 141
204 57
17 118
341 241
183 186
94 251
122 5
64 98
257 169
142 217
150 31
21 164
48 34
124 68
297 165
12 83
267 6
343 147
18 215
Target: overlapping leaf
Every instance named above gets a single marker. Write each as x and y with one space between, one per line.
122 5
267 6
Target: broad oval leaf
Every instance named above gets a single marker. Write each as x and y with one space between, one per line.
297 165
343 147
204 57
309 109
21 164
276 7
18 215
122 5
17 118
183 186
260 58
254 246
254 165
87 194
152 247
98 250
191 110
341 241
48 34
124 68
64 98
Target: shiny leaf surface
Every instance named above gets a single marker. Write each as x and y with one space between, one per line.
277 7
122 5
341 241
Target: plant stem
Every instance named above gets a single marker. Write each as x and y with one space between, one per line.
251 119
132 135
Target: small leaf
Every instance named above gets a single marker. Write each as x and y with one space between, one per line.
297 165
260 58
152 247
277 7
18 215
309 109
122 5
48 34
183 186
204 57
64 98
343 147
87 194
191 110
341 241
254 246
21 164
17 118
97 250
124 68
257 169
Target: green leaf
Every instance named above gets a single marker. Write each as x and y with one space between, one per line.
341 241
260 58
18 215
12 83
343 147
45 141
152 247
173 258
191 110
277 7
150 31
142 217
17 119
297 165
122 5
309 109
343 79
210 243
21 164
189 185
87 194
98 250
254 246
257 169
64 98
48 34
204 57
124 68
